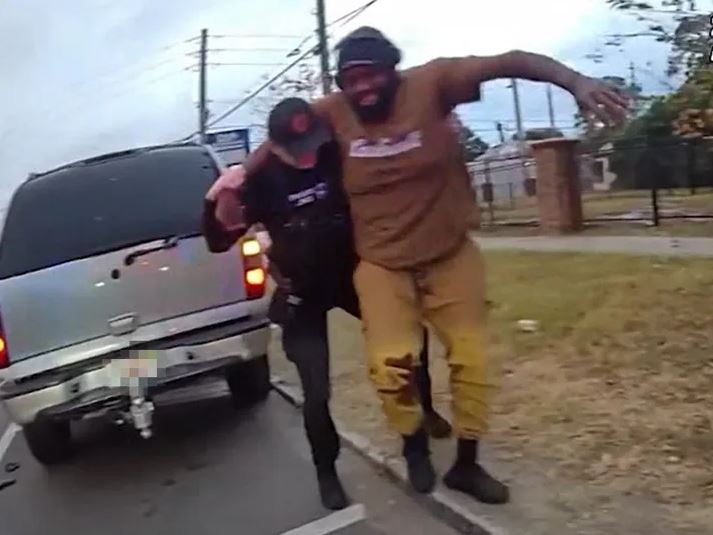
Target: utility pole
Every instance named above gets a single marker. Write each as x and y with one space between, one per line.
518 116
202 109
499 128
632 73
323 48
550 107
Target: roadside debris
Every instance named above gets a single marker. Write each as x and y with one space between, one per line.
528 326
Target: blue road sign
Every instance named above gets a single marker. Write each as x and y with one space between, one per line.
232 145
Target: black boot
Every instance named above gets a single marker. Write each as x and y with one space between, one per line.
469 477
331 490
418 460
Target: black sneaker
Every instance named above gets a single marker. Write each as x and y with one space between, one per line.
331 490
418 460
476 482
436 425
421 474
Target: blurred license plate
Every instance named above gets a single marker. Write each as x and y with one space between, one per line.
137 365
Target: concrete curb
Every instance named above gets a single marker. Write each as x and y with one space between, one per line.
439 502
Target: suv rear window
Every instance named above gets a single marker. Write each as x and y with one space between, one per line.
104 205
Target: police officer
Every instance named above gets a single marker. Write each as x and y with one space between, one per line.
298 198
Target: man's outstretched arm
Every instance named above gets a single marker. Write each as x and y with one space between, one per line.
459 78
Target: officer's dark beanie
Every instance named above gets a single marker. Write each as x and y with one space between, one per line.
367 45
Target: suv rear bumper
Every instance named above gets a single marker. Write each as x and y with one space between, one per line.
94 389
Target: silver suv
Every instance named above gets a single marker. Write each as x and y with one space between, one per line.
109 295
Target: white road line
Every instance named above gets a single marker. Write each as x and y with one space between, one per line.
330 524
6 438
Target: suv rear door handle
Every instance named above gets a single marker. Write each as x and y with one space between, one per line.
168 243
124 324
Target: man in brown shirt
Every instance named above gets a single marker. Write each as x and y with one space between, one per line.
410 207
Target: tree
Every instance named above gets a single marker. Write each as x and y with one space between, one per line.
694 104
656 147
652 149
687 32
689 35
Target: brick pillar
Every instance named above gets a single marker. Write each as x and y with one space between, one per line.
559 195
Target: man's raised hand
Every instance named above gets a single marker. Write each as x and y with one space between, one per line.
600 100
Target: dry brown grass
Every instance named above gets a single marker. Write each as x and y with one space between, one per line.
616 388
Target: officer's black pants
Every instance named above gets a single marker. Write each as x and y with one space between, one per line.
305 341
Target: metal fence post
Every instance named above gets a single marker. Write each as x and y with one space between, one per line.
654 203
488 191
691 166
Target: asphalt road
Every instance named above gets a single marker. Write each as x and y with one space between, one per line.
3 422
209 469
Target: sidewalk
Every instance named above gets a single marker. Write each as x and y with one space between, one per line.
541 504
635 245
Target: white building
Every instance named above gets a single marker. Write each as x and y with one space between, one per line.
595 169
505 166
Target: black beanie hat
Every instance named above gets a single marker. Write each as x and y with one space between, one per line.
367 46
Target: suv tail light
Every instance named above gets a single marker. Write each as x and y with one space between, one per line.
4 355
254 275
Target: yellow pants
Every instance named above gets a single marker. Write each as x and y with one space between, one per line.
450 295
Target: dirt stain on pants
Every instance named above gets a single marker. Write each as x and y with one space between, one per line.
450 295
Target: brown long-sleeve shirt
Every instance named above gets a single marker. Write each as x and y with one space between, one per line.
410 200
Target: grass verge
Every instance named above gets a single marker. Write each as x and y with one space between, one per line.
615 388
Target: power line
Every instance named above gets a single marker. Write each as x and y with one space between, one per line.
347 18
253 94
477 129
264 86
163 77
682 12
136 67
240 49
302 43
131 74
53 113
496 120
351 15
242 64
81 89
82 103
255 36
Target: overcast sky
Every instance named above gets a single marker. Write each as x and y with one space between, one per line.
105 75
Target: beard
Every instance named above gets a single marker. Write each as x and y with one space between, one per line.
382 108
